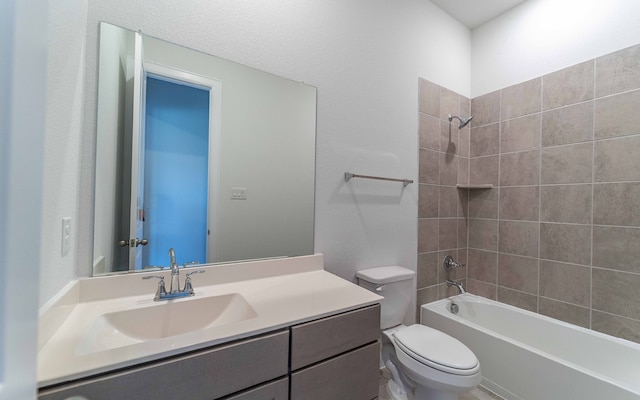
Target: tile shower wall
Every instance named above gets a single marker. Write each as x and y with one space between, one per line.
559 234
443 162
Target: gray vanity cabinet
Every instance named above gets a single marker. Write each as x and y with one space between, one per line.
337 357
202 375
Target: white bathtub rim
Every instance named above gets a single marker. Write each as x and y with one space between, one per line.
474 298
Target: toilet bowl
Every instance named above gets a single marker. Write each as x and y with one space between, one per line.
425 364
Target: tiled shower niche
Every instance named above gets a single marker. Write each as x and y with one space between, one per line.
559 233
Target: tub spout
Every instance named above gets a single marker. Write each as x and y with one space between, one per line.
452 283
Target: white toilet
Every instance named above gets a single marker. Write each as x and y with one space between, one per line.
425 364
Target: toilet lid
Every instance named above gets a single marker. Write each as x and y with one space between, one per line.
436 349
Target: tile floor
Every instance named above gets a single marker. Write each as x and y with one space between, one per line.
475 394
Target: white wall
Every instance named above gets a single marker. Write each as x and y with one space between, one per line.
62 191
364 56
542 36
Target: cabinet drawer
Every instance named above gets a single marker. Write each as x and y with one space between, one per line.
351 376
206 375
318 340
278 390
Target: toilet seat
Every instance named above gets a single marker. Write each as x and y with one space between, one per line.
437 350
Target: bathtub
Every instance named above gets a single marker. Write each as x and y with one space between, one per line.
528 356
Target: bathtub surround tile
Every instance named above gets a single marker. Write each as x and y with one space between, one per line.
465 105
616 204
425 296
428 196
517 299
483 234
566 312
449 103
429 166
567 243
485 140
463 202
519 238
445 291
521 99
565 282
618 72
616 293
448 169
449 136
428 229
518 273
616 248
568 86
463 225
566 203
464 135
429 132
520 203
448 236
572 124
614 325
520 134
520 169
483 266
567 164
483 203
485 109
449 202
618 115
427 270
617 160
429 97
480 288
484 170
463 170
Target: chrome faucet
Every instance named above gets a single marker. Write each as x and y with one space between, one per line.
174 290
450 265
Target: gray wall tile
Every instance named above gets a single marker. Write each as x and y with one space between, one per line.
519 273
428 201
517 169
617 160
484 289
428 264
448 169
570 313
572 124
568 86
519 203
463 225
565 282
617 326
428 97
463 142
619 71
518 299
566 203
617 115
616 204
483 265
485 140
449 202
520 134
448 138
449 103
568 243
483 234
616 248
616 293
483 203
429 132
519 238
463 170
429 166
427 235
521 99
567 164
485 109
448 236
484 170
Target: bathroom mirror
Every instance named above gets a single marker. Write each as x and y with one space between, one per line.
200 154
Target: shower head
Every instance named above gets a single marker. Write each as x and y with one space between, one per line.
463 122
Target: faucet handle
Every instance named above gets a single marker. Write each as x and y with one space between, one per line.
161 291
188 287
199 271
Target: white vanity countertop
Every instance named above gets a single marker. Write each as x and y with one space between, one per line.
281 292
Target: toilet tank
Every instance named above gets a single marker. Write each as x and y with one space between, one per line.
395 284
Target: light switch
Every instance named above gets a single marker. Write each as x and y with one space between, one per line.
66 235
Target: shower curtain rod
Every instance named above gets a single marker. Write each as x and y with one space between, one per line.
349 175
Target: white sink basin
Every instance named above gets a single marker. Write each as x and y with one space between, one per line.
164 319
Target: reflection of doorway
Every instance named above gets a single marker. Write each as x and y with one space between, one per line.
176 171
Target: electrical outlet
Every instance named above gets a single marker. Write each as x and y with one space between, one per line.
238 193
66 235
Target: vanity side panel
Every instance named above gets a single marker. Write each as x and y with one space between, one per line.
321 339
203 375
351 376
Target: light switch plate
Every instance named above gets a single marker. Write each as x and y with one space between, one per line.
238 193
66 235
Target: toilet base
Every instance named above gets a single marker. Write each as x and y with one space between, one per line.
395 392
426 393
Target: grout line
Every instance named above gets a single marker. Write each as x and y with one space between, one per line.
539 195
593 178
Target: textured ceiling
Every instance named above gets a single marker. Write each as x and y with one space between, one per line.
474 13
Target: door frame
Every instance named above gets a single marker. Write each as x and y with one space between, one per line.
214 87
